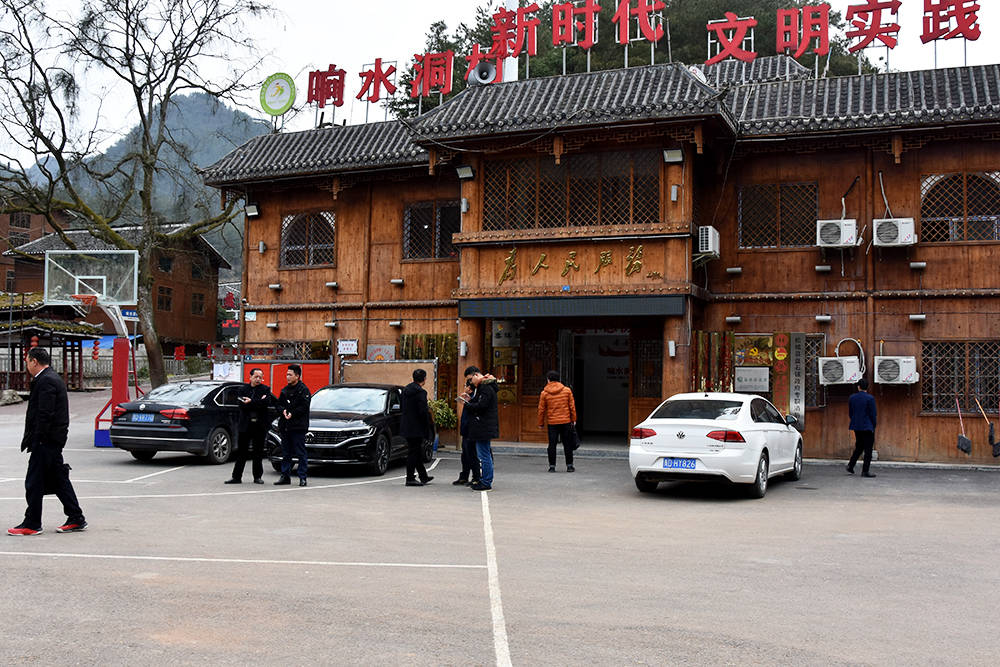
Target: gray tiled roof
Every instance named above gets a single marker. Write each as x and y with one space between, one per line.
650 93
769 68
84 240
870 101
327 150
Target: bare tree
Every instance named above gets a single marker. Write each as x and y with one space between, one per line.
151 51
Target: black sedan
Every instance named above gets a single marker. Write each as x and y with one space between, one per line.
197 417
353 424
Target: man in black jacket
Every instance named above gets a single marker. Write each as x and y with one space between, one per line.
484 424
294 423
256 400
46 426
470 461
416 426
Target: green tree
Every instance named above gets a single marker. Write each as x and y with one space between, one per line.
154 52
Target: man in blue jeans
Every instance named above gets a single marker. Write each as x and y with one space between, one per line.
861 409
484 423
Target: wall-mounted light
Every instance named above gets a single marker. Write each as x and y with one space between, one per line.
675 192
673 155
332 284
396 281
251 210
671 348
734 319
824 319
918 266
261 247
330 325
823 268
272 325
465 172
275 286
734 270
463 349
395 323
465 205
917 317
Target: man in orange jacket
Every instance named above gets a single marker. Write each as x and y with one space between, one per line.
557 410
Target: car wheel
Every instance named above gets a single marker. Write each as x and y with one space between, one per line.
796 472
143 454
428 450
380 455
646 485
759 487
219 446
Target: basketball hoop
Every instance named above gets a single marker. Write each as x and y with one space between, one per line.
87 302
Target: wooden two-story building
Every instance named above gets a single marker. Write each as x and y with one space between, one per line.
653 230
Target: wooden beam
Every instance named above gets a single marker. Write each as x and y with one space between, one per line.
432 158
557 148
335 187
897 148
699 138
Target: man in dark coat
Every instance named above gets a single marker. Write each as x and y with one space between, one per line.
861 409
46 425
484 422
256 400
294 424
470 462
416 426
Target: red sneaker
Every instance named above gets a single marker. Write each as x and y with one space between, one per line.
21 531
72 527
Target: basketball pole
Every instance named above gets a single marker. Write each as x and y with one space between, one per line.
119 371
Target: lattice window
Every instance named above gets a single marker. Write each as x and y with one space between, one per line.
197 303
428 228
197 269
539 359
960 207
647 368
10 281
309 239
778 215
18 238
815 392
164 298
20 219
165 263
610 188
967 370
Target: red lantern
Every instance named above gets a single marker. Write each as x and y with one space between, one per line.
179 354
34 341
95 354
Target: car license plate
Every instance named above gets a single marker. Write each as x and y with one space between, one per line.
142 417
687 464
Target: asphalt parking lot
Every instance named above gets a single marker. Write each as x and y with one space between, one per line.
546 569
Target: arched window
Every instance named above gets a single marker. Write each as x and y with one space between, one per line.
960 207
309 239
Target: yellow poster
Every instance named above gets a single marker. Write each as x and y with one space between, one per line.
754 350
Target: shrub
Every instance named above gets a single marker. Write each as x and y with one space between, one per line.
444 415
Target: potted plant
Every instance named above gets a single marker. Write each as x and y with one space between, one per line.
445 420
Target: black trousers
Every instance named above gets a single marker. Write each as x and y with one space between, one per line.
557 431
293 446
415 458
48 472
470 460
864 442
251 442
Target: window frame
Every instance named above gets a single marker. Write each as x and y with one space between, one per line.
972 378
287 222
17 216
164 292
436 206
958 221
779 245
200 313
16 239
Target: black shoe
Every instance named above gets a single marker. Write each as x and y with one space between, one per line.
868 474
282 481
479 486
570 468
552 468
472 483
414 482
233 481
461 482
303 482
850 470
258 480
427 480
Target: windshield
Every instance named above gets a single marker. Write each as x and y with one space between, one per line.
180 393
698 409
349 399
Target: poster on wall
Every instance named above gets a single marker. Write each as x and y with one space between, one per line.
228 371
347 346
754 350
506 334
752 379
381 353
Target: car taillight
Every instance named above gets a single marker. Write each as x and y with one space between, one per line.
726 436
175 413
117 411
640 433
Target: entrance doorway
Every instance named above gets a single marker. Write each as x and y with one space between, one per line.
599 376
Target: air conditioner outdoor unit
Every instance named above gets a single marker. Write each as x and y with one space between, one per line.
708 240
839 370
894 231
837 233
896 370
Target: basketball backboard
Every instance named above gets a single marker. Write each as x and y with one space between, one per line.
111 275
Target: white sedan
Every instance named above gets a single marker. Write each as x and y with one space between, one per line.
741 438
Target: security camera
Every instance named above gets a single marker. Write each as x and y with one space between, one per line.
245 302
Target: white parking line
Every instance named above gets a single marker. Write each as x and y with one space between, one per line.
153 474
500 645
244 561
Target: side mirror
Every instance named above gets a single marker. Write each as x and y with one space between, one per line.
791 420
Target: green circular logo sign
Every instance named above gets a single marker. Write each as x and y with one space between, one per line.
277 95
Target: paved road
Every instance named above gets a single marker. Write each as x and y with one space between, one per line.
178 568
